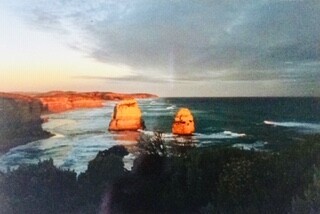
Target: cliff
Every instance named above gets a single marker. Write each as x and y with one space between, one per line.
59 101
20 120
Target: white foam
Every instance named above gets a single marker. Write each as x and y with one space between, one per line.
184 140
152 133
220 135
198 136
57 135
312 126
149 133
157 113
171 107
257 146
158 109
229 133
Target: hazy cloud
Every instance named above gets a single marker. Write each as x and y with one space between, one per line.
198 40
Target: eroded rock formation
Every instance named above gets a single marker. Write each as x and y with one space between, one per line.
183 123
20 120
126 116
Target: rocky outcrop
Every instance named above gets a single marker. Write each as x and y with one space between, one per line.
183 123
59 101
20 120
126 116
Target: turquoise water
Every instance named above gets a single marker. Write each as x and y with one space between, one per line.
248 123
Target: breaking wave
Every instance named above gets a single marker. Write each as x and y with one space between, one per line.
305 126
257 146
171 107
200 136
220 135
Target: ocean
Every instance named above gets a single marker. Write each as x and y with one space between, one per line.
260 124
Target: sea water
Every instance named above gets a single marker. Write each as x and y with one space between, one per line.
246 123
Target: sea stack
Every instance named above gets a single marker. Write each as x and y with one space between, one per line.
183 123
126 116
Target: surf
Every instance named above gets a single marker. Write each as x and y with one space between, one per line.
289 124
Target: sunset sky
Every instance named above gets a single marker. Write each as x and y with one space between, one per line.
166 47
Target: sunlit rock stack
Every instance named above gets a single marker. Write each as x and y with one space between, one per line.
126 116
183 123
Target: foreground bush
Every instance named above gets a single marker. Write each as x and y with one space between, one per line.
208 180
309 203
99 177
217 180
40 188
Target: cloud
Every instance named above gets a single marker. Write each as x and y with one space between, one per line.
198 40
142 79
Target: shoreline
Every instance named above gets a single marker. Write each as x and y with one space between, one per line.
61 101
12 143
23 114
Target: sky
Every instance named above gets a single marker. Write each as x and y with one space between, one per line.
166 47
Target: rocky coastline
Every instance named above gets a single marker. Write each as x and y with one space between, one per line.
59 101
20 119
20 113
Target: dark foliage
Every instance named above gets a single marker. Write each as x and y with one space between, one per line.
101 173
43 188
38 188
309 202
153 145
120 151
222 180
208 180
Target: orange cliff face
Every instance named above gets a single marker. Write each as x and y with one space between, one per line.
126 116
59 101
64 102
183 123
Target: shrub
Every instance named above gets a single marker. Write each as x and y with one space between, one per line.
40 188
310 201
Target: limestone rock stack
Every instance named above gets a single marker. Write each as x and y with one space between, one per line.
183 123
126 116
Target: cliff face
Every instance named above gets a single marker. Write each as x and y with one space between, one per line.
58 101
68 101
20 120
